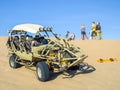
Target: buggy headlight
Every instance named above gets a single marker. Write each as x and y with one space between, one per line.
45 28
49 28
41 29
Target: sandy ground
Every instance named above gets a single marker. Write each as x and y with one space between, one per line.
106 76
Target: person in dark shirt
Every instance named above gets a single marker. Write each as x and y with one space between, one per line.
98 30
67 34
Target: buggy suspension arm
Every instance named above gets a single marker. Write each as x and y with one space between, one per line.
80 59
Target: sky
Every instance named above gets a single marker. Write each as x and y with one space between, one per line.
62 15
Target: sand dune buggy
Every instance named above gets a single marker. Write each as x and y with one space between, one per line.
34 45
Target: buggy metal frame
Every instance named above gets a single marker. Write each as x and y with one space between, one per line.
57 53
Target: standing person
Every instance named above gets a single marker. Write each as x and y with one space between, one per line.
83 32
93 30
70 37
98 30
67 34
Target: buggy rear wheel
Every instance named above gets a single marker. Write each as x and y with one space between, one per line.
43 72
12 62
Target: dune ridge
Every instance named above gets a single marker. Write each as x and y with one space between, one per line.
106 76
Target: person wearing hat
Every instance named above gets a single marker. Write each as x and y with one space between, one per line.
67 34
70 36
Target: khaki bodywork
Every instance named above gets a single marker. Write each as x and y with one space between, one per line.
24 55
58 56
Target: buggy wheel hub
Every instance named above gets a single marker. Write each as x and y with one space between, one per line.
39 72
12 63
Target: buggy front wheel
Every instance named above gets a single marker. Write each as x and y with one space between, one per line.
12 62
43 72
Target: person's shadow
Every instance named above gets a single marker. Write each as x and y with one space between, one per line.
83 68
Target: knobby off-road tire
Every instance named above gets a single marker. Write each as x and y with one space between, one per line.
13 63
43 72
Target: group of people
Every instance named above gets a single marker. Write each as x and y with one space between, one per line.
95 31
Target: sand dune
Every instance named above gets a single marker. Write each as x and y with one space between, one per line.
106 76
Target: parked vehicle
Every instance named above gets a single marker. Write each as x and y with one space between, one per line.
34 45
